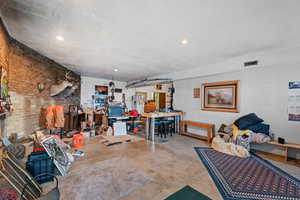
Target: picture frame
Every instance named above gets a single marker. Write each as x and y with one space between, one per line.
221 96
101 90
197 93
158 86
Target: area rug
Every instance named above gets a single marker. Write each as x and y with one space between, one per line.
106 180
8 195
187 193
248 178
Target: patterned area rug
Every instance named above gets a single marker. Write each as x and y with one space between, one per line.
248 178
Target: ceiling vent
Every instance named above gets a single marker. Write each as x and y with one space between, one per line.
249 64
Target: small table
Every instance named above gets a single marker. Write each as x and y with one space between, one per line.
209 127
150 122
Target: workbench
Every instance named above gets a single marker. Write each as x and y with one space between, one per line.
150 122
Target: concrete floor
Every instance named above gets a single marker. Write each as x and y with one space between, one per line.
141 171
165 168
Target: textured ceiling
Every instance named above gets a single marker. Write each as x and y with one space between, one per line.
142 38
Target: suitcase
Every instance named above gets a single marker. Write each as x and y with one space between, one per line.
39 163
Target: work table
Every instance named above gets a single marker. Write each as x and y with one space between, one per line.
161 114
150 122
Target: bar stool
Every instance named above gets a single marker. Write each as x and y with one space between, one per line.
159 127
169 125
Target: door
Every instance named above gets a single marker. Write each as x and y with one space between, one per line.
162 100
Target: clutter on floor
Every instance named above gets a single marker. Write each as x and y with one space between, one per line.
250 178
112 140
40 163
18 150
235 139
12 170
51 152
78 153
229 148
61 158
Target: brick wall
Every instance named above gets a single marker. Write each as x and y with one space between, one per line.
26 69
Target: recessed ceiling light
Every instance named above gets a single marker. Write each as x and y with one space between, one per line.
60 38
184 41
115 70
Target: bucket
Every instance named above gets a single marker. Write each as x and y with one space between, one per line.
86 136
135 130
77 140
93 133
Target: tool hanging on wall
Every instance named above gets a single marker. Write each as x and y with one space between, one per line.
124 102
172 91
111 85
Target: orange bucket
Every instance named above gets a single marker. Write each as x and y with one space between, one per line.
77 140
135 130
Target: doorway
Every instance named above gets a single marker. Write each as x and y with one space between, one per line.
160 100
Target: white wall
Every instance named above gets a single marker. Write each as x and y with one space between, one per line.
282 56
263 90
88 88
148 89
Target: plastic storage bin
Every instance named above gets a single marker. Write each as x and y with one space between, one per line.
40 163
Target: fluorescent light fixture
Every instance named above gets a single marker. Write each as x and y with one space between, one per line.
60 38
115 70
184 41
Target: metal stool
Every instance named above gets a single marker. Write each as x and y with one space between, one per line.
159 127
169 126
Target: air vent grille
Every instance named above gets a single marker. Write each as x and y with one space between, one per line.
250 63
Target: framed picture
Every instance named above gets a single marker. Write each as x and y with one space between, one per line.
158 86
101 90
101 97
197 92
118 90
221 96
